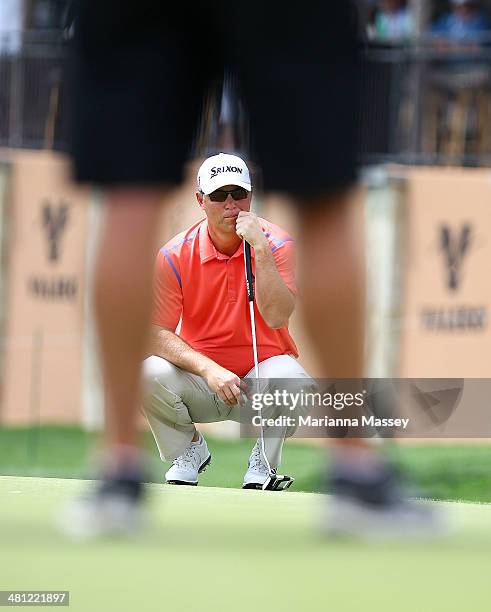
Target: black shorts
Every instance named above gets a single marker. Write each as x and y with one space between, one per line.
140 69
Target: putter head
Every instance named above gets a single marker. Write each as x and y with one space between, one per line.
277 482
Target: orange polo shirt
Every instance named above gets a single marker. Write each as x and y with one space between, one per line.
207 290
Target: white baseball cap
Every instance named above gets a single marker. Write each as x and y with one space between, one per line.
223 169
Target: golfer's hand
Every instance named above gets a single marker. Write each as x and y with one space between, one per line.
224 383
247 227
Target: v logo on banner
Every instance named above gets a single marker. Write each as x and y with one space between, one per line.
54 220
454 248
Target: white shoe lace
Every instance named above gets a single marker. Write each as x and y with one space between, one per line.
256 462
189 458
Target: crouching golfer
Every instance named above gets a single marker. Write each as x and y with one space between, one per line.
194 376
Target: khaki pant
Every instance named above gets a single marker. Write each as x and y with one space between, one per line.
174 400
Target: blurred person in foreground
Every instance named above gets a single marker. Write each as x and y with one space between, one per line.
140 71
194 374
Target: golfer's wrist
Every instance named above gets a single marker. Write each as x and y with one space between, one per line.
204 367
261 249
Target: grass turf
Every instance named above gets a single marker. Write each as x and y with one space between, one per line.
453 472
214 549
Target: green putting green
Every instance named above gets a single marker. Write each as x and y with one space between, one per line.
213 549
448 471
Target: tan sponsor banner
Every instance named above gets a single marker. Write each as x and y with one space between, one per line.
46 249
446 300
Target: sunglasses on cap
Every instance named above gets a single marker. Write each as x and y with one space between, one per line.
220 195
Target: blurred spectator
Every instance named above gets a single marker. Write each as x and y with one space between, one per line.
466 22
392 21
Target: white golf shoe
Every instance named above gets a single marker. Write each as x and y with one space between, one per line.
194 460
257 470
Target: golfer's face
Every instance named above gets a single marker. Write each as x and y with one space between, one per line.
224 215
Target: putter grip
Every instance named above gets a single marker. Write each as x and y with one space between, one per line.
248 267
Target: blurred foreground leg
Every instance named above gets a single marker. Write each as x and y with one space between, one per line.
367 500
122 306
333 282
122 310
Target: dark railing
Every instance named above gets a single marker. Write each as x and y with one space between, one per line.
427 102
32 93
423 102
